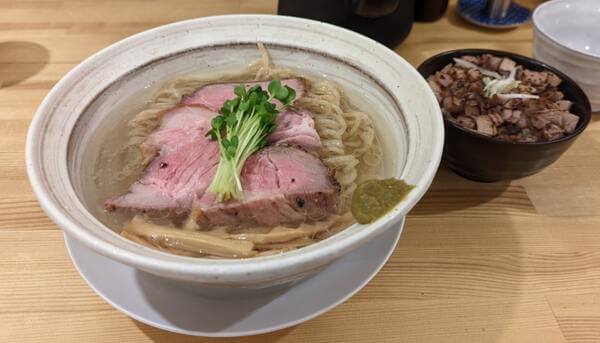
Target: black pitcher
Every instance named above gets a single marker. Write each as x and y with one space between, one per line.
387 21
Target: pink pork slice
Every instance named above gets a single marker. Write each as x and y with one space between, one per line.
281 185
296 127
185 160
185 164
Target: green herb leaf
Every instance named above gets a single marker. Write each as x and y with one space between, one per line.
225 143
274 86
278 91
230 152
230 120
217 123
244 106
290 96
239 90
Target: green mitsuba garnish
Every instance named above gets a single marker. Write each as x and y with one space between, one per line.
241 128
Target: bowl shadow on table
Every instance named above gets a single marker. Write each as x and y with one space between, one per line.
153 287
246 302
20 60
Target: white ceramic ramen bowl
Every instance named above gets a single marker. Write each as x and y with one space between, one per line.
567 37
92 102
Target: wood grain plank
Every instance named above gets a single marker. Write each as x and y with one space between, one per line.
440 276
14 98
506 320
22 88
37 261
23 213
451 195
115 11
18 111
407 276
15 187
504 262
12 164
578 316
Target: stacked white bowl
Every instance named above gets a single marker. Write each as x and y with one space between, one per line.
567 37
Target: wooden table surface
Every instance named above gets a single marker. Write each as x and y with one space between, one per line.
504 262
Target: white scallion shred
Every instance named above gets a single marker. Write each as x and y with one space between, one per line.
466 64
509 96
501 86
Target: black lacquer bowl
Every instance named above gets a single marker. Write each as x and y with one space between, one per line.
486 159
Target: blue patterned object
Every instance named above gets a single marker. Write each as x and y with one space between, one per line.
474 11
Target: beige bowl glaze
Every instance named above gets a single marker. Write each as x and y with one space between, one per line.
93 101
